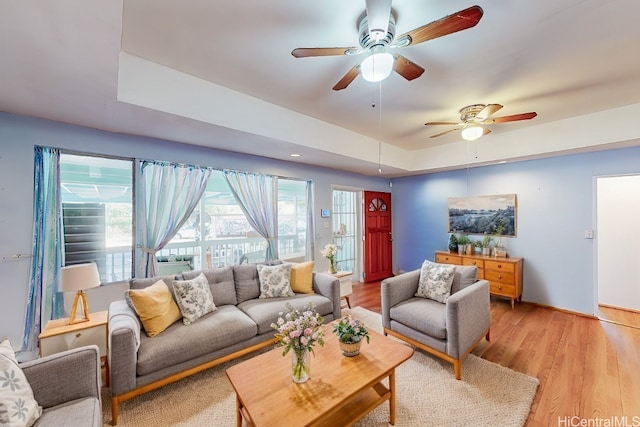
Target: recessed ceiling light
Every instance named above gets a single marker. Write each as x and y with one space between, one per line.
295 155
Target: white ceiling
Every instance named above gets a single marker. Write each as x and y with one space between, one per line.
221 74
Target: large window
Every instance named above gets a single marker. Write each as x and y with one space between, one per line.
98 220
97 213
218 234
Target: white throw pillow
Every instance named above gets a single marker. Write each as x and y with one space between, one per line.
194 298
435 281
275 280
17 404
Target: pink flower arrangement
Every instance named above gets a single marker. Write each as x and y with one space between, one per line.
299 330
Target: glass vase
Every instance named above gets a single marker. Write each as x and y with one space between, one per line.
300 365
333 269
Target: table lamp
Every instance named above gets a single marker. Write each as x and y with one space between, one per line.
77 278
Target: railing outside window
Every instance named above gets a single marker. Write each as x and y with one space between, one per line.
203 255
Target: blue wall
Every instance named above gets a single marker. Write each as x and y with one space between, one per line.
19 135
555 205
555 199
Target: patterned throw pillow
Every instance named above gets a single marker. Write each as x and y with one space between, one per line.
302 277
194 298
435 281
17 404
155 307
274 280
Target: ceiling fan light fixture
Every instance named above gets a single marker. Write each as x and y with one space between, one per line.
377 66
472 133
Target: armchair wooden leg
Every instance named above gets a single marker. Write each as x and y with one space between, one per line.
114 411
457 368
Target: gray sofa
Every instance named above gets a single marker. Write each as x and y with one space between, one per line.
450 330
241 324
67 386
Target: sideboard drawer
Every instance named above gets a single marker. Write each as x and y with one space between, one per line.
499 276
448 259
498 288
499 266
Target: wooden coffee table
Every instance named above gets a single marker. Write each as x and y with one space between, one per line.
341 389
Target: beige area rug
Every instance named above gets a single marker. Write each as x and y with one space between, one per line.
427 395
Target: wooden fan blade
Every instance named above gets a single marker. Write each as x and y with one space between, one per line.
407 69
348 78
305 52
442 123
485 131
443 133
455 22
487 111
514 117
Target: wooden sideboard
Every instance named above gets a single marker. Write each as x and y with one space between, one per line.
504 274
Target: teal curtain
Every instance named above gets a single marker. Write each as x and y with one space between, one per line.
257 196
167 194
44 302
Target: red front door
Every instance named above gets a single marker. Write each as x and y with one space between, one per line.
377 236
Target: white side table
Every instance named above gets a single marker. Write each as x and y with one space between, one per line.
345 285
58 335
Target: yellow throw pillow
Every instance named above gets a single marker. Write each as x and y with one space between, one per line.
301 277
155 307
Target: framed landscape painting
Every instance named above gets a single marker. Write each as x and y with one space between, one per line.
494 215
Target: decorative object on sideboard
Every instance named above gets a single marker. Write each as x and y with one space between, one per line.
463 240
453 243
487 241
79 277
499 251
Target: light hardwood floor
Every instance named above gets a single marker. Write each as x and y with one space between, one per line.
588 369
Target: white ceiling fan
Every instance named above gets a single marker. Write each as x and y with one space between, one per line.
377 31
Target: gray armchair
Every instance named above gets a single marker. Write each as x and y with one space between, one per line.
450 330
67 386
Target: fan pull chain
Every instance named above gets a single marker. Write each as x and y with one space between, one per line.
380 128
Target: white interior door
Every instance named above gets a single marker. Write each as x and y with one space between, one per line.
618 255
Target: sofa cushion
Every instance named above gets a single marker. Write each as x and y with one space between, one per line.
145 282
422 314
464 276
18 407
223 328
275 280
245 277
194 298
221 284
264 312
435 281
155 307
302 277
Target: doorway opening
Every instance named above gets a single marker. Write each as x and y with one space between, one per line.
618 288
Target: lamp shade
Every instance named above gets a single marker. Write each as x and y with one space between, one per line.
377 66
472 133
79 277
